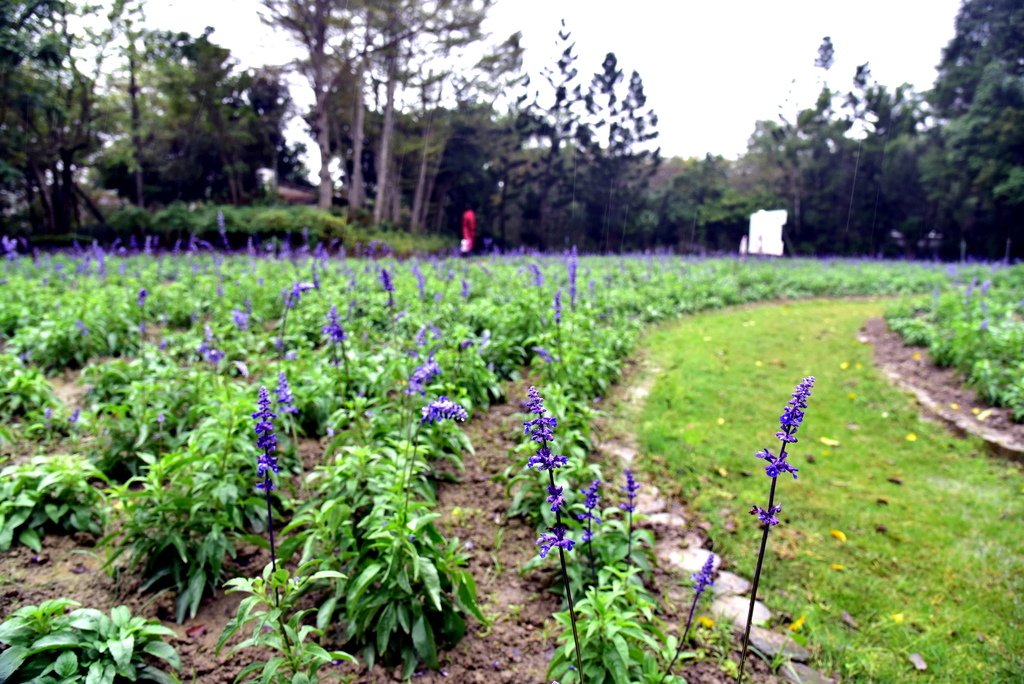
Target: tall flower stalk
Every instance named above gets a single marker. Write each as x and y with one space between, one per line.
790 420
291 296
701 581
140 299
629 506
266 441
336 335
591 496
541 430
440 409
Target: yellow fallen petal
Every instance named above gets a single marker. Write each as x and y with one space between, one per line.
839 534
838 567
723 472
720 421
844 365
911 437
897 618
798 623
758 364
955 406
851 395
975 410
985 414
916 356
705 622
828 441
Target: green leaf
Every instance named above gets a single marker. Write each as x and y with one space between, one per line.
56 640
423 639
30 538
152 674
100 673
65 665
326 612
363 581
431 581
11 660
385 626
121 651
120 615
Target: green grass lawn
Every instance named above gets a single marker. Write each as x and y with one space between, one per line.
933 557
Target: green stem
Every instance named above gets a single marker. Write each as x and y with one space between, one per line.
410 445
682 639
629 539
568 591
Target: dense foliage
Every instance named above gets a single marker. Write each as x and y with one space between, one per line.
976 328
174 347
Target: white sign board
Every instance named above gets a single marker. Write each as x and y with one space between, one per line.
766 232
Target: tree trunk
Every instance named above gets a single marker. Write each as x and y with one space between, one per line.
502 203
36 178
384 154
357 186
323 141
90 205
133 93
431 179
63 198
395 195
416 221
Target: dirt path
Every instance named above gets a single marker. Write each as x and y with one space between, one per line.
516 646
941 392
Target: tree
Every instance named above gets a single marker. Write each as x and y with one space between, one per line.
977 167
312 24
206 128
51 112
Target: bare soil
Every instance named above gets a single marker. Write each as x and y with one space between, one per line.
942 393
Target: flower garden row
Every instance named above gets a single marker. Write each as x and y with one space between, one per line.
373 358
978 328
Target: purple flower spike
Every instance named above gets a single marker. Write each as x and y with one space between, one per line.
141 297
389 286
422 376
443 408
776 464
703 579
766 517
793 415
293 295
630 489
266 441
285 400
555 538
541 428
591 497
333 330
555 497
241 319
545 460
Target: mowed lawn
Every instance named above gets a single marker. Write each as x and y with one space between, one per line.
915 534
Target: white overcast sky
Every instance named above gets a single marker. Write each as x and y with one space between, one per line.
711 68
